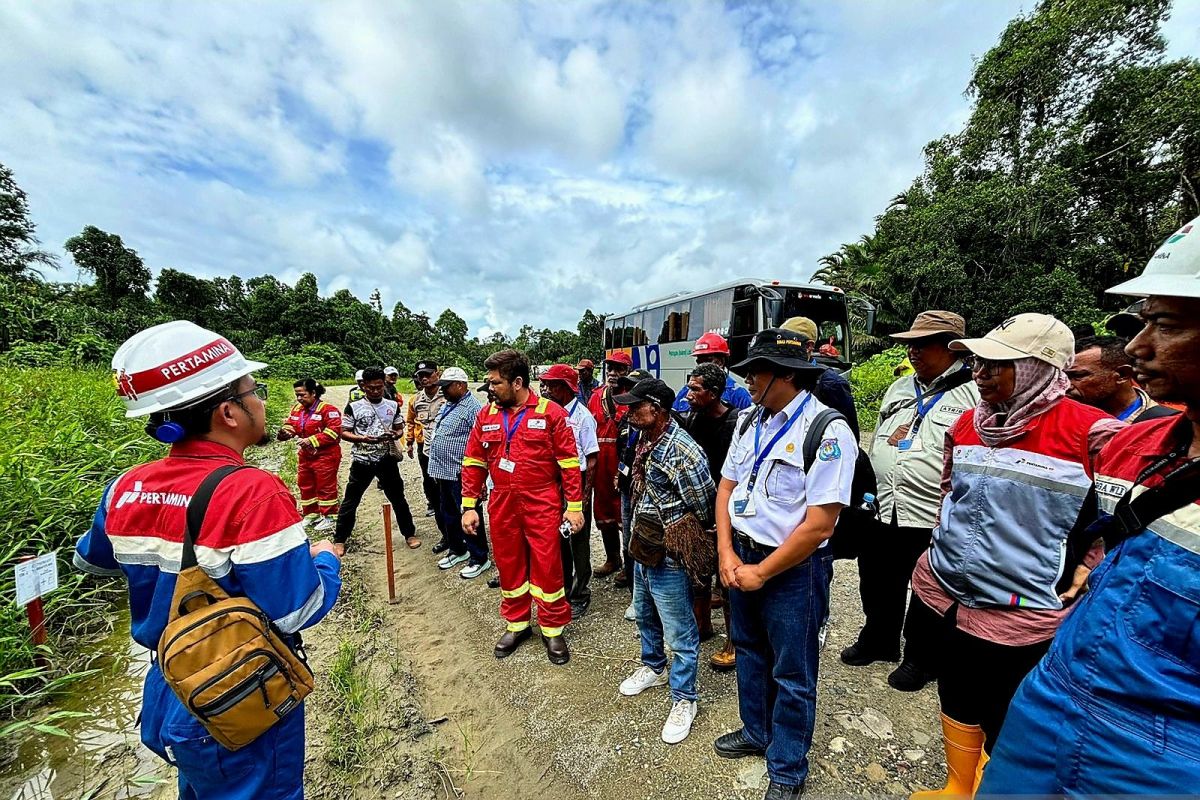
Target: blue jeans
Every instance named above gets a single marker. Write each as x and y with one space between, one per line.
774 632
662 598
449 519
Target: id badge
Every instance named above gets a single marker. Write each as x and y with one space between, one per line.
508 466
744 506
911 445
623 469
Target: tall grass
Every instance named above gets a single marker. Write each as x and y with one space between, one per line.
63 437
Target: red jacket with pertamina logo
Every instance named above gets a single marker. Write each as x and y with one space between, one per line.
321 425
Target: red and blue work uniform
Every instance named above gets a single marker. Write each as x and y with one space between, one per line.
253 544
531 456
1114 707
320 428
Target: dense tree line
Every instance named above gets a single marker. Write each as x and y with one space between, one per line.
1081 154
293 328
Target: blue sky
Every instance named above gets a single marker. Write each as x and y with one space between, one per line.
515 162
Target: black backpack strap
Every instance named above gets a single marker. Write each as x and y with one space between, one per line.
816 432
1133 515
198 507
748 420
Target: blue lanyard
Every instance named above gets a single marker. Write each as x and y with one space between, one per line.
760 457
922 408
509 430
574 405
1133 409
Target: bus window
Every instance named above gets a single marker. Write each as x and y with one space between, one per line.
711 312
609 330
653 324
634 335
826 309
675 326
832 340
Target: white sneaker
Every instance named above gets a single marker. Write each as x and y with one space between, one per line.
449 560
310 519
326 524
475 570
642 679
679 721
631 613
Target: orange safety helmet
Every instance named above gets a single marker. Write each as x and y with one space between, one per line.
711 343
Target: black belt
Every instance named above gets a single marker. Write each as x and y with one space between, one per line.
746 541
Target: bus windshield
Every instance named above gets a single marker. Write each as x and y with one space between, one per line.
826 309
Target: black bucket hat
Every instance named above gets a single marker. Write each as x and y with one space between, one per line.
780 347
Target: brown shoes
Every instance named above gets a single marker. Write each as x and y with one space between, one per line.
724 659
510 641
607 568
623 577
556 649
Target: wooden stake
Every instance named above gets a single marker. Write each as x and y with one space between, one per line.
387 548
37 623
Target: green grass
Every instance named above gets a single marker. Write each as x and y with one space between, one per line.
63 437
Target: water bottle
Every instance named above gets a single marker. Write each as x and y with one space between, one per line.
869 506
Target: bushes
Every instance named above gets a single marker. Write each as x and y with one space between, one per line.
869 380
319 361
63 437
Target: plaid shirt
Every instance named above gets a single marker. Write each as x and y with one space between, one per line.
677 480
448 444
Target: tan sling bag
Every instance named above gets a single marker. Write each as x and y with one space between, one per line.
229 666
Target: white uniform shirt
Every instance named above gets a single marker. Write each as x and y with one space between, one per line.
583 425
784 491
910 480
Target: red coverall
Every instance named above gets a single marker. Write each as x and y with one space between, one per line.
317 467
526 503
606 501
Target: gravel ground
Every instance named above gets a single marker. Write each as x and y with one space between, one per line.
523 727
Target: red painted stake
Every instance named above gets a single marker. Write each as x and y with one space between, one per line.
387 548
37 622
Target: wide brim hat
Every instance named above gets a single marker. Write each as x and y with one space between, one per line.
934 323
780 347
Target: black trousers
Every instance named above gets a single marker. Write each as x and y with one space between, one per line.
886 559
577 561
977 679
387 471
450 518
428 485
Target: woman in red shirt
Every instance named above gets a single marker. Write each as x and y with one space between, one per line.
318 426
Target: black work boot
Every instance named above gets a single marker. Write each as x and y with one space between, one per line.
735 745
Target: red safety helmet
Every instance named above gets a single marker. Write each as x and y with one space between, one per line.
561 372
711 343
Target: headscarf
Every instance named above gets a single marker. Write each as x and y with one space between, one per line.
1037 387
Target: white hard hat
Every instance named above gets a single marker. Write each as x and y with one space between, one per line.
358 375
173 365
1174 269
1039 336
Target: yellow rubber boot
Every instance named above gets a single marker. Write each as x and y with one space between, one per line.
964 746
984 758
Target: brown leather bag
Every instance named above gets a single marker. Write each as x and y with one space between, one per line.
221 655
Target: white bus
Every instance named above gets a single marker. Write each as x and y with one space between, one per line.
659 335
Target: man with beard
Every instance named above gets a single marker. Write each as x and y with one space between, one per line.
606 501
525 444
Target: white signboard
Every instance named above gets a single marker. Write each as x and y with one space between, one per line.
36 577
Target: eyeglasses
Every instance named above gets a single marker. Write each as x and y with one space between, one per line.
259 391
982 365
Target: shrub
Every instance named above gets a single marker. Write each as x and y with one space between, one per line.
870 380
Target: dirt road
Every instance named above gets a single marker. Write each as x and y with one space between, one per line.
438 714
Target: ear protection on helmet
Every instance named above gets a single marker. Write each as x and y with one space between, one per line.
167 431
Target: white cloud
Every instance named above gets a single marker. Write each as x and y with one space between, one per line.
516 162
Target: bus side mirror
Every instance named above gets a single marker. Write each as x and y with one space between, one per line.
870 324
